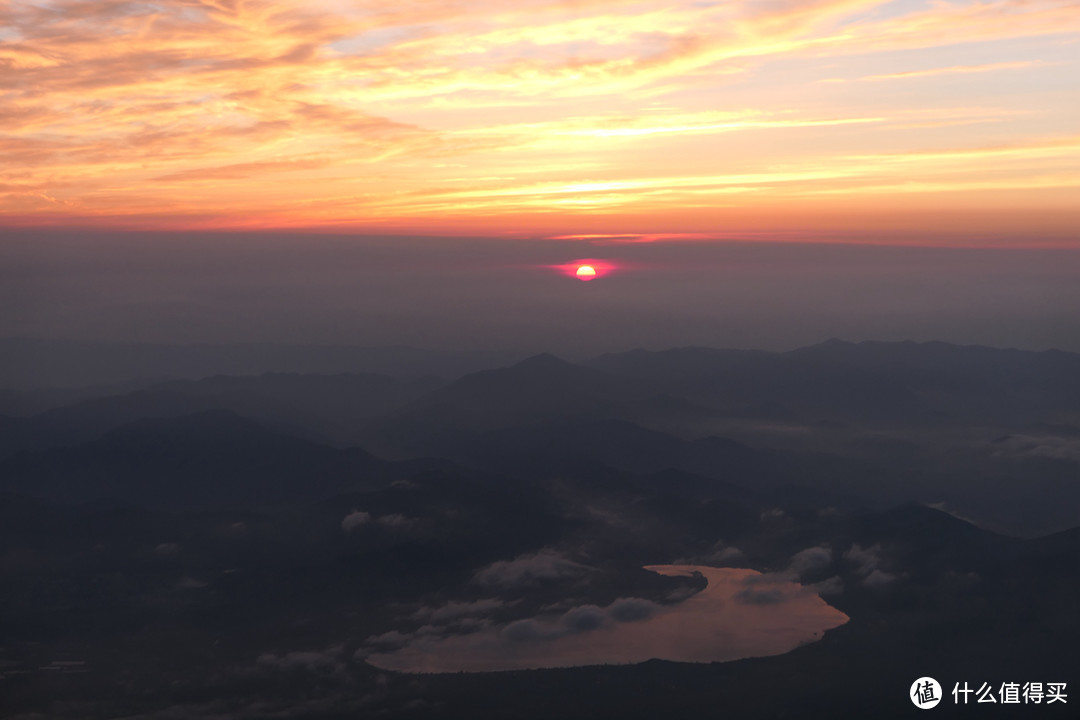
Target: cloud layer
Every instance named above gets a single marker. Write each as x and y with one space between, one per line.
473 116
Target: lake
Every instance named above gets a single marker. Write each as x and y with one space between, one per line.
740 614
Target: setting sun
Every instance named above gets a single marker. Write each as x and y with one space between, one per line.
586 272
585 268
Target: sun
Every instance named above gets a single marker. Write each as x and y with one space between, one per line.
585 272
585 268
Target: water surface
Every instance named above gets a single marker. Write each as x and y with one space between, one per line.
740 614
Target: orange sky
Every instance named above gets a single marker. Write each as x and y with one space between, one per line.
832 118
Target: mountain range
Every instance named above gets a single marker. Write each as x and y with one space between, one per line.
239 545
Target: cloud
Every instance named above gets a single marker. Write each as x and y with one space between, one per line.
583 618
810 561
388 641
455 619
868 562
588 129
579 619
780 587
396 520
466 625
325 662
167 549
948 70
865 560
354 520
243 171
830 586
769 589
727 554
456 610
632 609
879 578
318 113
526 630
542 566
721 554
1051 447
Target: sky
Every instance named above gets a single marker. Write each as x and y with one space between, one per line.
937 122
755 173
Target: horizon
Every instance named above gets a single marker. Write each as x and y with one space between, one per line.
527 354
482 293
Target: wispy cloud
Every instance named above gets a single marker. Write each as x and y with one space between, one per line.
286 113
950 70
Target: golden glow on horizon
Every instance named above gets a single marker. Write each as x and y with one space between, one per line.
601 120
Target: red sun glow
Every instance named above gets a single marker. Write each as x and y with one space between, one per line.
585 269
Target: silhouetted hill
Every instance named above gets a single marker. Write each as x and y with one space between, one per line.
329 408
209 459
925 536
541 389
33 363
706 467
906 382
1060 550
24 402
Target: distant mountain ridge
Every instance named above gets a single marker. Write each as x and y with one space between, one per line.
208 459
539 389
35 363
972 429
868 381
328 408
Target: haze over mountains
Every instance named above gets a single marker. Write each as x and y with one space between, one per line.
35 363
239 543
918 417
